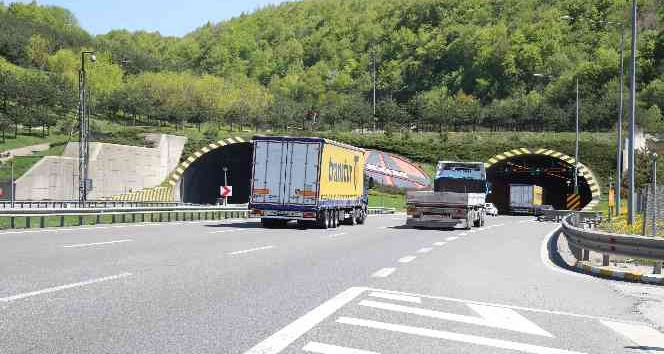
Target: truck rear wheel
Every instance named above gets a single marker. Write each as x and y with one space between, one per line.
323 221
362 216
352 220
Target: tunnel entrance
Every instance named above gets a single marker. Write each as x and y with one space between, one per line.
200 182
555 176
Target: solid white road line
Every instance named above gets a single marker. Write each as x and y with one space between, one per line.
457 337
339 234
412 299
95 244
322 348
451 238
494 317
383 273
424 250
227 230
287 335
251 250
407 259
64 287
519 308
439 243
642 336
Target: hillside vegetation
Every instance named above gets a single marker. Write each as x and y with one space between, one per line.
442 65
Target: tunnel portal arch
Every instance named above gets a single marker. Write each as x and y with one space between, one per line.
545 167
197 179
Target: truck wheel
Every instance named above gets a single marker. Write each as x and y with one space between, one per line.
469 222
362 216
336 218
353 218
328 218
323 221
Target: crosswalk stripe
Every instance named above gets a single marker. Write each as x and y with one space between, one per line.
456 337
322 348
405 298
491 316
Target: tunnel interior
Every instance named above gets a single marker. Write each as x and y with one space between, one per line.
555 176
201 180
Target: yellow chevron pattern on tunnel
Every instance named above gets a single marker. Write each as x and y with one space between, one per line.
176 175
155 194
584 171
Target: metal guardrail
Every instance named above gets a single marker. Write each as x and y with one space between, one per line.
122 215
54 204
609 243
371 211
558 215
161 213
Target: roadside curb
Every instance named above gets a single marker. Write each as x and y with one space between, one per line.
655 279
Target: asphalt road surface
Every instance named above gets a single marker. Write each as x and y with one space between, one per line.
233 287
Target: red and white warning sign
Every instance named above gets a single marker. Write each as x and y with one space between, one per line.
226 191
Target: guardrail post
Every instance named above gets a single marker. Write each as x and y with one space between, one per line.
12 222
62 220
586 255
168 216
133 218
605 260
123 219
151 217
80 220
41 222
177 216
112 218
160 217
27 222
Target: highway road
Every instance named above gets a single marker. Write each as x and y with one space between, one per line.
233 287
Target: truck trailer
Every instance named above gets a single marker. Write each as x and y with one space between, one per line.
525 198
458 198
317 182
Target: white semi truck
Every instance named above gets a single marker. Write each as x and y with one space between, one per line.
458 198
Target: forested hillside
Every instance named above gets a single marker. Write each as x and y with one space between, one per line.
441 65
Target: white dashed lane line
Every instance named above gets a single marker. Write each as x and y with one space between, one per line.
439 243
451 238
95 244
63 287
424 250
251 250
339 234
407 259
383 273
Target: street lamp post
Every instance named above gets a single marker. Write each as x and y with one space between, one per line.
83 131
632 117
578 131
576 149
620 119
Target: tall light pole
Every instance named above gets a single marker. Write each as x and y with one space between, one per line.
576 149
578 131
84 130
620 119
632 118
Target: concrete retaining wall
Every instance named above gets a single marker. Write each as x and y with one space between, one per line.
114 169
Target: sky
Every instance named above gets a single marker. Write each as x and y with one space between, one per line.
169 17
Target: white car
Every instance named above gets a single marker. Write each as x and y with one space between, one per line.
491 209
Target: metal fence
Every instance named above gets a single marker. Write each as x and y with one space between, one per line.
652 208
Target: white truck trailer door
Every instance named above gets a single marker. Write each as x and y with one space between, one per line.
301 173
268 171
